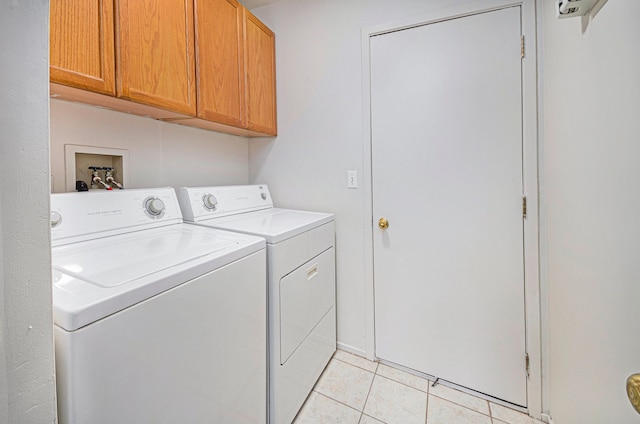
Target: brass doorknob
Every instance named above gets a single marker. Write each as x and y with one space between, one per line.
633 391
383 223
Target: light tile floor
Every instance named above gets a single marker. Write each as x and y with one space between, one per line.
353 390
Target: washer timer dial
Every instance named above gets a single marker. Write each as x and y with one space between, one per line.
56 219
154 206
209 200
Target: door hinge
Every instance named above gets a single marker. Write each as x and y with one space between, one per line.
526 358
522 46
524 206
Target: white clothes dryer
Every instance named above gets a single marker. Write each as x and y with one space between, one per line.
301 269
156 321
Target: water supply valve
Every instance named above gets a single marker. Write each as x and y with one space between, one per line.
109 178
96 181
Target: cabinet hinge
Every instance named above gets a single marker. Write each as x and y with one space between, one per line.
524 206
522 46
526 358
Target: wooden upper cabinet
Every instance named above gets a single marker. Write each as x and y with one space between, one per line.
206 63
155 53
82 44
219 61
259 57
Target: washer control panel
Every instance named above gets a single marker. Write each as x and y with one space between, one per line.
199 203
85 215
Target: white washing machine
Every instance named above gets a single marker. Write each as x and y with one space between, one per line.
156 321
301 269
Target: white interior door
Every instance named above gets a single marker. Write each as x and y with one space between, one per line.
447 175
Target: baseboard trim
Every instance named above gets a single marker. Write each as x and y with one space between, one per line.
351 349
546 418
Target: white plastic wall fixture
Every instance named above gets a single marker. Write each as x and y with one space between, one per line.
70 151
571 8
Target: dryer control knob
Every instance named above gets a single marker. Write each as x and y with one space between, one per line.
209 201
263 195
154 206
56 219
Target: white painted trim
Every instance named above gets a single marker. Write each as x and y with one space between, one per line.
367 191
70 151
531 224
530 175
472 8
352 350
542 223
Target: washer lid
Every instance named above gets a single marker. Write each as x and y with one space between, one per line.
274 224
96 278
114 261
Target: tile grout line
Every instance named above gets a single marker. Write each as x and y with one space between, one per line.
464 406
357 366
407 385
426 412
374 418
348 364
337 401
427 391
369 392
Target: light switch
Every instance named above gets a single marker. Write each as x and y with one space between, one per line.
352 179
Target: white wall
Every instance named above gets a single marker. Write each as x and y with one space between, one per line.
27 387
320 135
592 146
590 173
160 154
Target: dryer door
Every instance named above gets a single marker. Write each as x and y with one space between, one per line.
306 295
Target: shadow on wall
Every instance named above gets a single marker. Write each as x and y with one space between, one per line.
586 19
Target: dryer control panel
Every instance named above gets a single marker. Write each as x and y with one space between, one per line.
199 203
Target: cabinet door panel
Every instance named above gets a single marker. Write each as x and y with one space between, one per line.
155 53
261 76
220 71
82 44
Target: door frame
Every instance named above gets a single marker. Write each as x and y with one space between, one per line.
530 178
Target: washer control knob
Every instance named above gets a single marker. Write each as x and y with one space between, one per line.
154 206
209 201
263 195
56 219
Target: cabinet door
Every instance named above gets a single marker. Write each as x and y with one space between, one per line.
259 48
81 44
219 58
155 53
